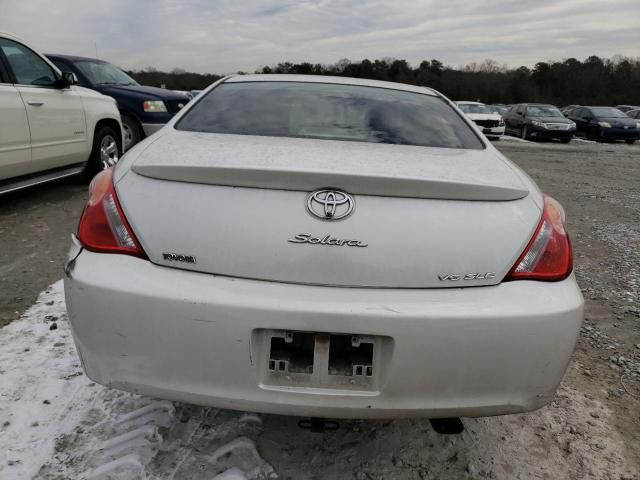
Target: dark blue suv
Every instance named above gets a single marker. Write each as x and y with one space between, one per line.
144 110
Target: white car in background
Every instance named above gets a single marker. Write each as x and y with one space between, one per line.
489 121
49 127
324 247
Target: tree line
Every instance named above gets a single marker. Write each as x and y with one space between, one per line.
594 81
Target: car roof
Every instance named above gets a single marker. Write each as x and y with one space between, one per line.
468 102
537 105
329 79
8 35
74 58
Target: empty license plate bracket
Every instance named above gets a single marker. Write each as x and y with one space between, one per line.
289 358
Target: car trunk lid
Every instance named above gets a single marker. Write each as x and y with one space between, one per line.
238 206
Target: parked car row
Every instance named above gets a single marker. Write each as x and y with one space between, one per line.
144 110
65 115
49 127
531 121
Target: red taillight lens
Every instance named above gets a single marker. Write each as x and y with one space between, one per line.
103 227
548 256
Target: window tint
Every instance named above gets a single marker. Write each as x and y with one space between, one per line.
332 112
28 68
520 109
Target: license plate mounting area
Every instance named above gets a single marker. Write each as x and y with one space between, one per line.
318 360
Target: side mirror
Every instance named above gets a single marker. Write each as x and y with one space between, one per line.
68 79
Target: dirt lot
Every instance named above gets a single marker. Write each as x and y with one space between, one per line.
591 429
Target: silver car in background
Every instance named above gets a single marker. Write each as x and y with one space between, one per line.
325 247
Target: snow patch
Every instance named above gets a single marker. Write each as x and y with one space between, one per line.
514 139
57 423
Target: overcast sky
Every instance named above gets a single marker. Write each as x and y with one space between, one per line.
224 36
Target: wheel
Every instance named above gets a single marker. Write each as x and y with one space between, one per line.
105 153
132 131
629 142
524 132
565 140
592 134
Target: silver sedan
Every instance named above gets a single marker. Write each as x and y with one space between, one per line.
325 247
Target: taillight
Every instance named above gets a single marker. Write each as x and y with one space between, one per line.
548 255
103 226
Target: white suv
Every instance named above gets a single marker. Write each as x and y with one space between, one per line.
50 128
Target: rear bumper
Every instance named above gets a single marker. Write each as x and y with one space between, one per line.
191 337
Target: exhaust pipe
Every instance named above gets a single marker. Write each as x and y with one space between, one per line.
447 426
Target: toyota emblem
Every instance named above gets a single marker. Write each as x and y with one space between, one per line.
329 204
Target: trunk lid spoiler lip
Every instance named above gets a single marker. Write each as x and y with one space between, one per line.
231 160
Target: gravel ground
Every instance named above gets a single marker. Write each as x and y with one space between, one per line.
590 431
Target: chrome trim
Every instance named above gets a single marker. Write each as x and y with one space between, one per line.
329 204
37 180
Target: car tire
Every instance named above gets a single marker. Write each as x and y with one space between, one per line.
592 134
565 140
629 142
524 132
106 151
132 131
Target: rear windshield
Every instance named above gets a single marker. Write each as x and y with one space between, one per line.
332 112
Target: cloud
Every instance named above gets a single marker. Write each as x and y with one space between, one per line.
229 35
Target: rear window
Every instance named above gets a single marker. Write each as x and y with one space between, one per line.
330 111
